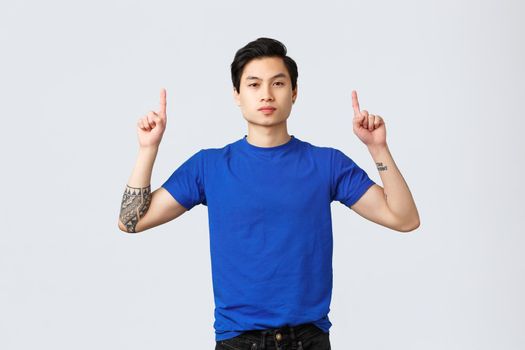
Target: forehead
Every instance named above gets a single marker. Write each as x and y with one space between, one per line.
264 68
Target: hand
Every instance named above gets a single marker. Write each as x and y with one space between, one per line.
370 128
150 127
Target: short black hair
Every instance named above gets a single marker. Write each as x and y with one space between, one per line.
262 47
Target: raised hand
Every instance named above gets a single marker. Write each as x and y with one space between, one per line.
150 127
370 128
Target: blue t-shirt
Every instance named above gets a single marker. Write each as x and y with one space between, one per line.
270 228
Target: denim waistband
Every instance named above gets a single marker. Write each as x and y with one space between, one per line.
286 334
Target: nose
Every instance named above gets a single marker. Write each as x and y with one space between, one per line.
266 94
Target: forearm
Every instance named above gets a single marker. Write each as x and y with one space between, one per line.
137 194
397 194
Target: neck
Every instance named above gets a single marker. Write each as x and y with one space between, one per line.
267 136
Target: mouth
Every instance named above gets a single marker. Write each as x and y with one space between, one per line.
267 111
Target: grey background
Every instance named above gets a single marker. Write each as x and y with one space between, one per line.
447 77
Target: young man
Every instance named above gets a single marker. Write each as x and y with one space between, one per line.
268 196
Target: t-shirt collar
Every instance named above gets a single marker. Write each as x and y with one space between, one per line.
245 144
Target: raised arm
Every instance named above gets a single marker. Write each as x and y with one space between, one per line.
140 209
392 205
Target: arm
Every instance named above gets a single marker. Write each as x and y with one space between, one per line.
141 209
393 205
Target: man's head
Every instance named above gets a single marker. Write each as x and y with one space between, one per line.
262 47
263 75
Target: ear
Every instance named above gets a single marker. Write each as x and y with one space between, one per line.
294 93
236 97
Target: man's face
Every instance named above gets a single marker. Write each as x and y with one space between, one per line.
265 82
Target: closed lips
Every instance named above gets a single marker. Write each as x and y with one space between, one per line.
266 108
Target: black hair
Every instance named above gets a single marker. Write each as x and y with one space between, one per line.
262 47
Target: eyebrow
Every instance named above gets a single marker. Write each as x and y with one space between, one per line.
280 75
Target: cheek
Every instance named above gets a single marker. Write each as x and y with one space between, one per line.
288 97
247 99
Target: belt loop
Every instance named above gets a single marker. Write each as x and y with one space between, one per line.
292 334
263 342
295 342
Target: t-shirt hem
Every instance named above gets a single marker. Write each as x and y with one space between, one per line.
228 335
178 197
359 192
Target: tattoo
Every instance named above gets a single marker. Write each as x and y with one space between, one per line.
380 166
135 203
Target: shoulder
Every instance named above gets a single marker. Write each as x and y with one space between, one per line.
321 150
332 157
217 151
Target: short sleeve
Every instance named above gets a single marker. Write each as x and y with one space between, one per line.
186 183
349 181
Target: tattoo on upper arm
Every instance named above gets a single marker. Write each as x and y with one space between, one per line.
135 203
380 166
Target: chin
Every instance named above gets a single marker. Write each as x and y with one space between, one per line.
264 121
267 123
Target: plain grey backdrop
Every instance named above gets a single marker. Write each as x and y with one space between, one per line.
447 77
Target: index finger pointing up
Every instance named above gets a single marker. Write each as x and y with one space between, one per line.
163 101
355 103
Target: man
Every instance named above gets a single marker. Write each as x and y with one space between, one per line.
268 196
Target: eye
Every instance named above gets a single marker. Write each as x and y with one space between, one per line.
277 82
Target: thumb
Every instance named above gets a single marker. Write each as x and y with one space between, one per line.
158 120
358 119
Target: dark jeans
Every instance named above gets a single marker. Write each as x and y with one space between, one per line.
302 337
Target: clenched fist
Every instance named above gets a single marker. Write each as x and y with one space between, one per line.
150 127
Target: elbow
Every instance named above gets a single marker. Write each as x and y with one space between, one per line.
124 229
409 226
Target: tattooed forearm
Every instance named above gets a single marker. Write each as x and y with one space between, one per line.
380 166
135 203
